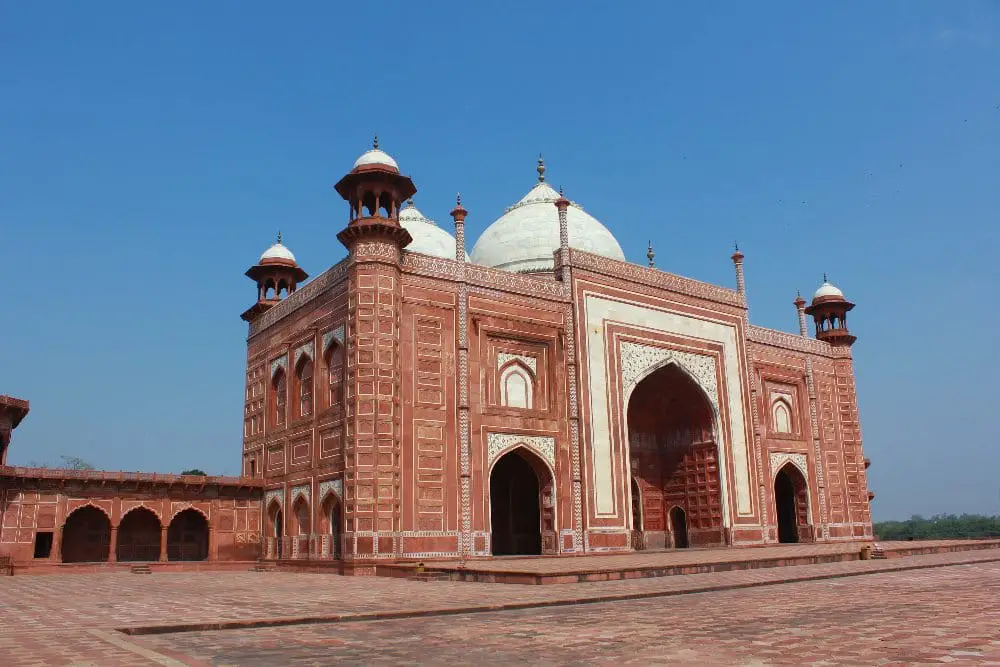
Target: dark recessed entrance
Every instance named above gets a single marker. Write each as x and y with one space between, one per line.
515 508
679 528
787 507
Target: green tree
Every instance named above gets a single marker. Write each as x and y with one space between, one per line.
939 527
195 471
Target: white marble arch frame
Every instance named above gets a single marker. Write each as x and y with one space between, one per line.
552 474
713 402
598 311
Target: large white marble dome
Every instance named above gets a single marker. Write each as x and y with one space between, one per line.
428 238
525 237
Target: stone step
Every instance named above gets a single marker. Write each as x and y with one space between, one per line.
262 568
140 569
431 576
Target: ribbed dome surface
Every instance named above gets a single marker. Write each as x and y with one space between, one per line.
428 238
527 234
278 251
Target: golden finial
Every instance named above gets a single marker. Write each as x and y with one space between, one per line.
279 237
650 254
458 199
375 143
409 202
824 277
540 169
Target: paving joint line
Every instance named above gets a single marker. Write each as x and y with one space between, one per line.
369 616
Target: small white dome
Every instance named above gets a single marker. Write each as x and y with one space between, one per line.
527 234
428 238
278 251
827 289
376 156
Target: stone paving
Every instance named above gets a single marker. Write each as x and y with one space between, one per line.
72 619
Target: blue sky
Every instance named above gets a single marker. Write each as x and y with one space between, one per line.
150 151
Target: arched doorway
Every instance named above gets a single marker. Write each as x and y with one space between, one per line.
275 522
86 536
332 527
187 536
674 455
521 510
791 505
300 528
139 536
679 528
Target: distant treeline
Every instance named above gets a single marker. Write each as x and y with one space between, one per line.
940 527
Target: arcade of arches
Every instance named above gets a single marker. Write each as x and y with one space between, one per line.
88 535
676 493
302 536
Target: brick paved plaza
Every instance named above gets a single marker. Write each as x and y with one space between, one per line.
945 611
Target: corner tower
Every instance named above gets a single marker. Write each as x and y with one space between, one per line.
277 275
375 191
829 312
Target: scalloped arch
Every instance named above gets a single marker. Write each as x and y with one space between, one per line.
141 506
191 507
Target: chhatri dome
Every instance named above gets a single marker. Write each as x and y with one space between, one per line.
827 289
376 157
524 238
428 238
277 254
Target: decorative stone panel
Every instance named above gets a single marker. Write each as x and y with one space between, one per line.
638 360
301 490
306 349
335 485
504 358
281 362
336 334
275 494
544 446
779 459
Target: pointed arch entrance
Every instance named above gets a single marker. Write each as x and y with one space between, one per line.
674 455
522 520
187 536
86 536
332 523
791 504
275 525
139 536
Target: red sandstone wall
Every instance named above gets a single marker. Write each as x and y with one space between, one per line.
838 490
431 488
305 451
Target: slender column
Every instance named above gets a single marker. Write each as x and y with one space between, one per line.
741 285
800 307
817 449
56 554
459 214
579 535
465 540
113 549
163 544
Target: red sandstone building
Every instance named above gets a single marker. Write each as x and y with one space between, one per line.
539 396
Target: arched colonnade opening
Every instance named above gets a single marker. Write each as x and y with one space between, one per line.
305 537
522 505
676 487
87 533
